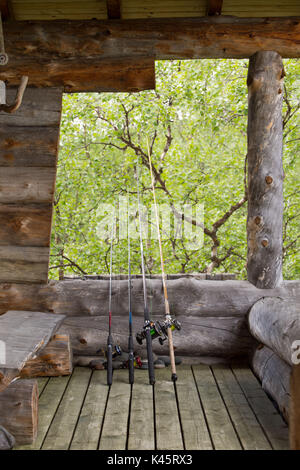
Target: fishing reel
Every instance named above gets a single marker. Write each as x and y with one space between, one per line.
116 352
137 363
158 329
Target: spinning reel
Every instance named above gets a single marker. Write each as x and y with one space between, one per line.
116 352
158 329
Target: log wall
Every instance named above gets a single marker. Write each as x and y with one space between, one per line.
28 157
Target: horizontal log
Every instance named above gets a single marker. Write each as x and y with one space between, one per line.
200 336
55 359
28 146
25 225
68 53
274 374
126 75
27 185
275 322
40 108
190 297
24 264
19 410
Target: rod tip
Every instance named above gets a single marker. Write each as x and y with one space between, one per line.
174 377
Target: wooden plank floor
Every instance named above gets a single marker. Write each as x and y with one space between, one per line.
219 407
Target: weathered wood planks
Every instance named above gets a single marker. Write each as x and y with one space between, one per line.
114 432
166 413
222 431
141 423
275 428
250 432
62 427
23 335
194 428
87 434
28 156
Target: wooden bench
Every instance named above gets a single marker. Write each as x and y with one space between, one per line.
29 348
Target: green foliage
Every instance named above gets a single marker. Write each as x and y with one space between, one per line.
202 106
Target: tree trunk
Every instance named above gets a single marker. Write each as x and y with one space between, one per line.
265 172
275 322
19 410
55 360
274 374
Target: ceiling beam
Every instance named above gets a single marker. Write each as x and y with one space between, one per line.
113 9
85 55
6 10
214 7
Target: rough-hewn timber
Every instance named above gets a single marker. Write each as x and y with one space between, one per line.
24 334
200 336
19 410
275 322
265 171
188 297
28 154
69 53
274 375
54 360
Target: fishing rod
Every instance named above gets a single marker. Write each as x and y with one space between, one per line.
130 337
109 355
169 324
147 322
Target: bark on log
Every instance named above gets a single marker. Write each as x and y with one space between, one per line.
189 297
265 171
19 410
200 336
55 360
275 322
295 409
274 373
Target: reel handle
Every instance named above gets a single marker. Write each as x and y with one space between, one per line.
109 361
130 360
150 357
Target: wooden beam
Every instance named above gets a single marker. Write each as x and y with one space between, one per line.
6 10
19 410
214 7
113 9
110 55
265 170
295 409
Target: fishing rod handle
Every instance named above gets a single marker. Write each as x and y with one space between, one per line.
109 361
172 355
150 357
130 360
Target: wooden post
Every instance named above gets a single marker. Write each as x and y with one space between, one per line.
265 172
295 409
